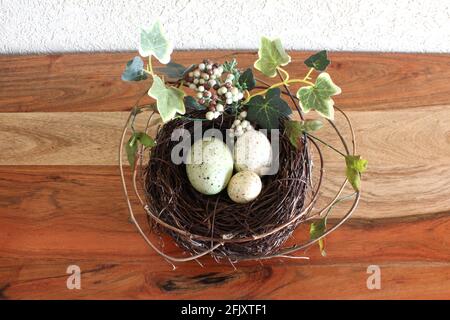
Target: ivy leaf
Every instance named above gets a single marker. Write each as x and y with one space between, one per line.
145 139
267 111
173 70
316 230
318 61
131 148
318 96
247 80
155 43
295 129
169 100
134 70
271 55
132 145
355 166
191 103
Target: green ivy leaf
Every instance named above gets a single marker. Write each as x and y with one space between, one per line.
134 70
132 145
173 70
295 129
355 166
155 43
316 230
271 55
318 96
169 100
247 80
191 103
267 111
145 139
131 148
318 61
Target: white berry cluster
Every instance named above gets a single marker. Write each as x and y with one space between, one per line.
240 125
212 91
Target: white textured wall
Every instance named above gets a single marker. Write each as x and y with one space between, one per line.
362 25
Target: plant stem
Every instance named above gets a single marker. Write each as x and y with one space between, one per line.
149 66
276 85
286 74
329 146
338 201
308 74
292 97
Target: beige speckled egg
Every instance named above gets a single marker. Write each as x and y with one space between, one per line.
244 187
253 152
209 165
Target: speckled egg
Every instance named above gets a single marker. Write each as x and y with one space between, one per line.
244 187
209 165
253 152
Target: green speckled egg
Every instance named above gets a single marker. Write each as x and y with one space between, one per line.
209 165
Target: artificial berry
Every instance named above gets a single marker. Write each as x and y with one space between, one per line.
210 115
219 107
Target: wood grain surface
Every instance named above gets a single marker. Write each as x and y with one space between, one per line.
61 201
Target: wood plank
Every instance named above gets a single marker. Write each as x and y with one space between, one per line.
46 279
91 82
409 163
51 217
63 138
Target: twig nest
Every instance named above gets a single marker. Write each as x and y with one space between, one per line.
209 165
195 220
244 187
253 152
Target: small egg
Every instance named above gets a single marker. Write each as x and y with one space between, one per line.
253 152
244 187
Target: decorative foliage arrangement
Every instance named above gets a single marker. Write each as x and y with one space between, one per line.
237 102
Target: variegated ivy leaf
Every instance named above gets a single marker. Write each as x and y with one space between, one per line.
316 230
318 96
271 55
134 70
155 43
169 100
355 166
295 129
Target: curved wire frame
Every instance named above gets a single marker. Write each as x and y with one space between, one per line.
286 252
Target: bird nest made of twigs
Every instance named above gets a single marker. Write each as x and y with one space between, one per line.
197 222
215 225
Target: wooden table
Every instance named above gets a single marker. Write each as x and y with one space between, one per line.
61 201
